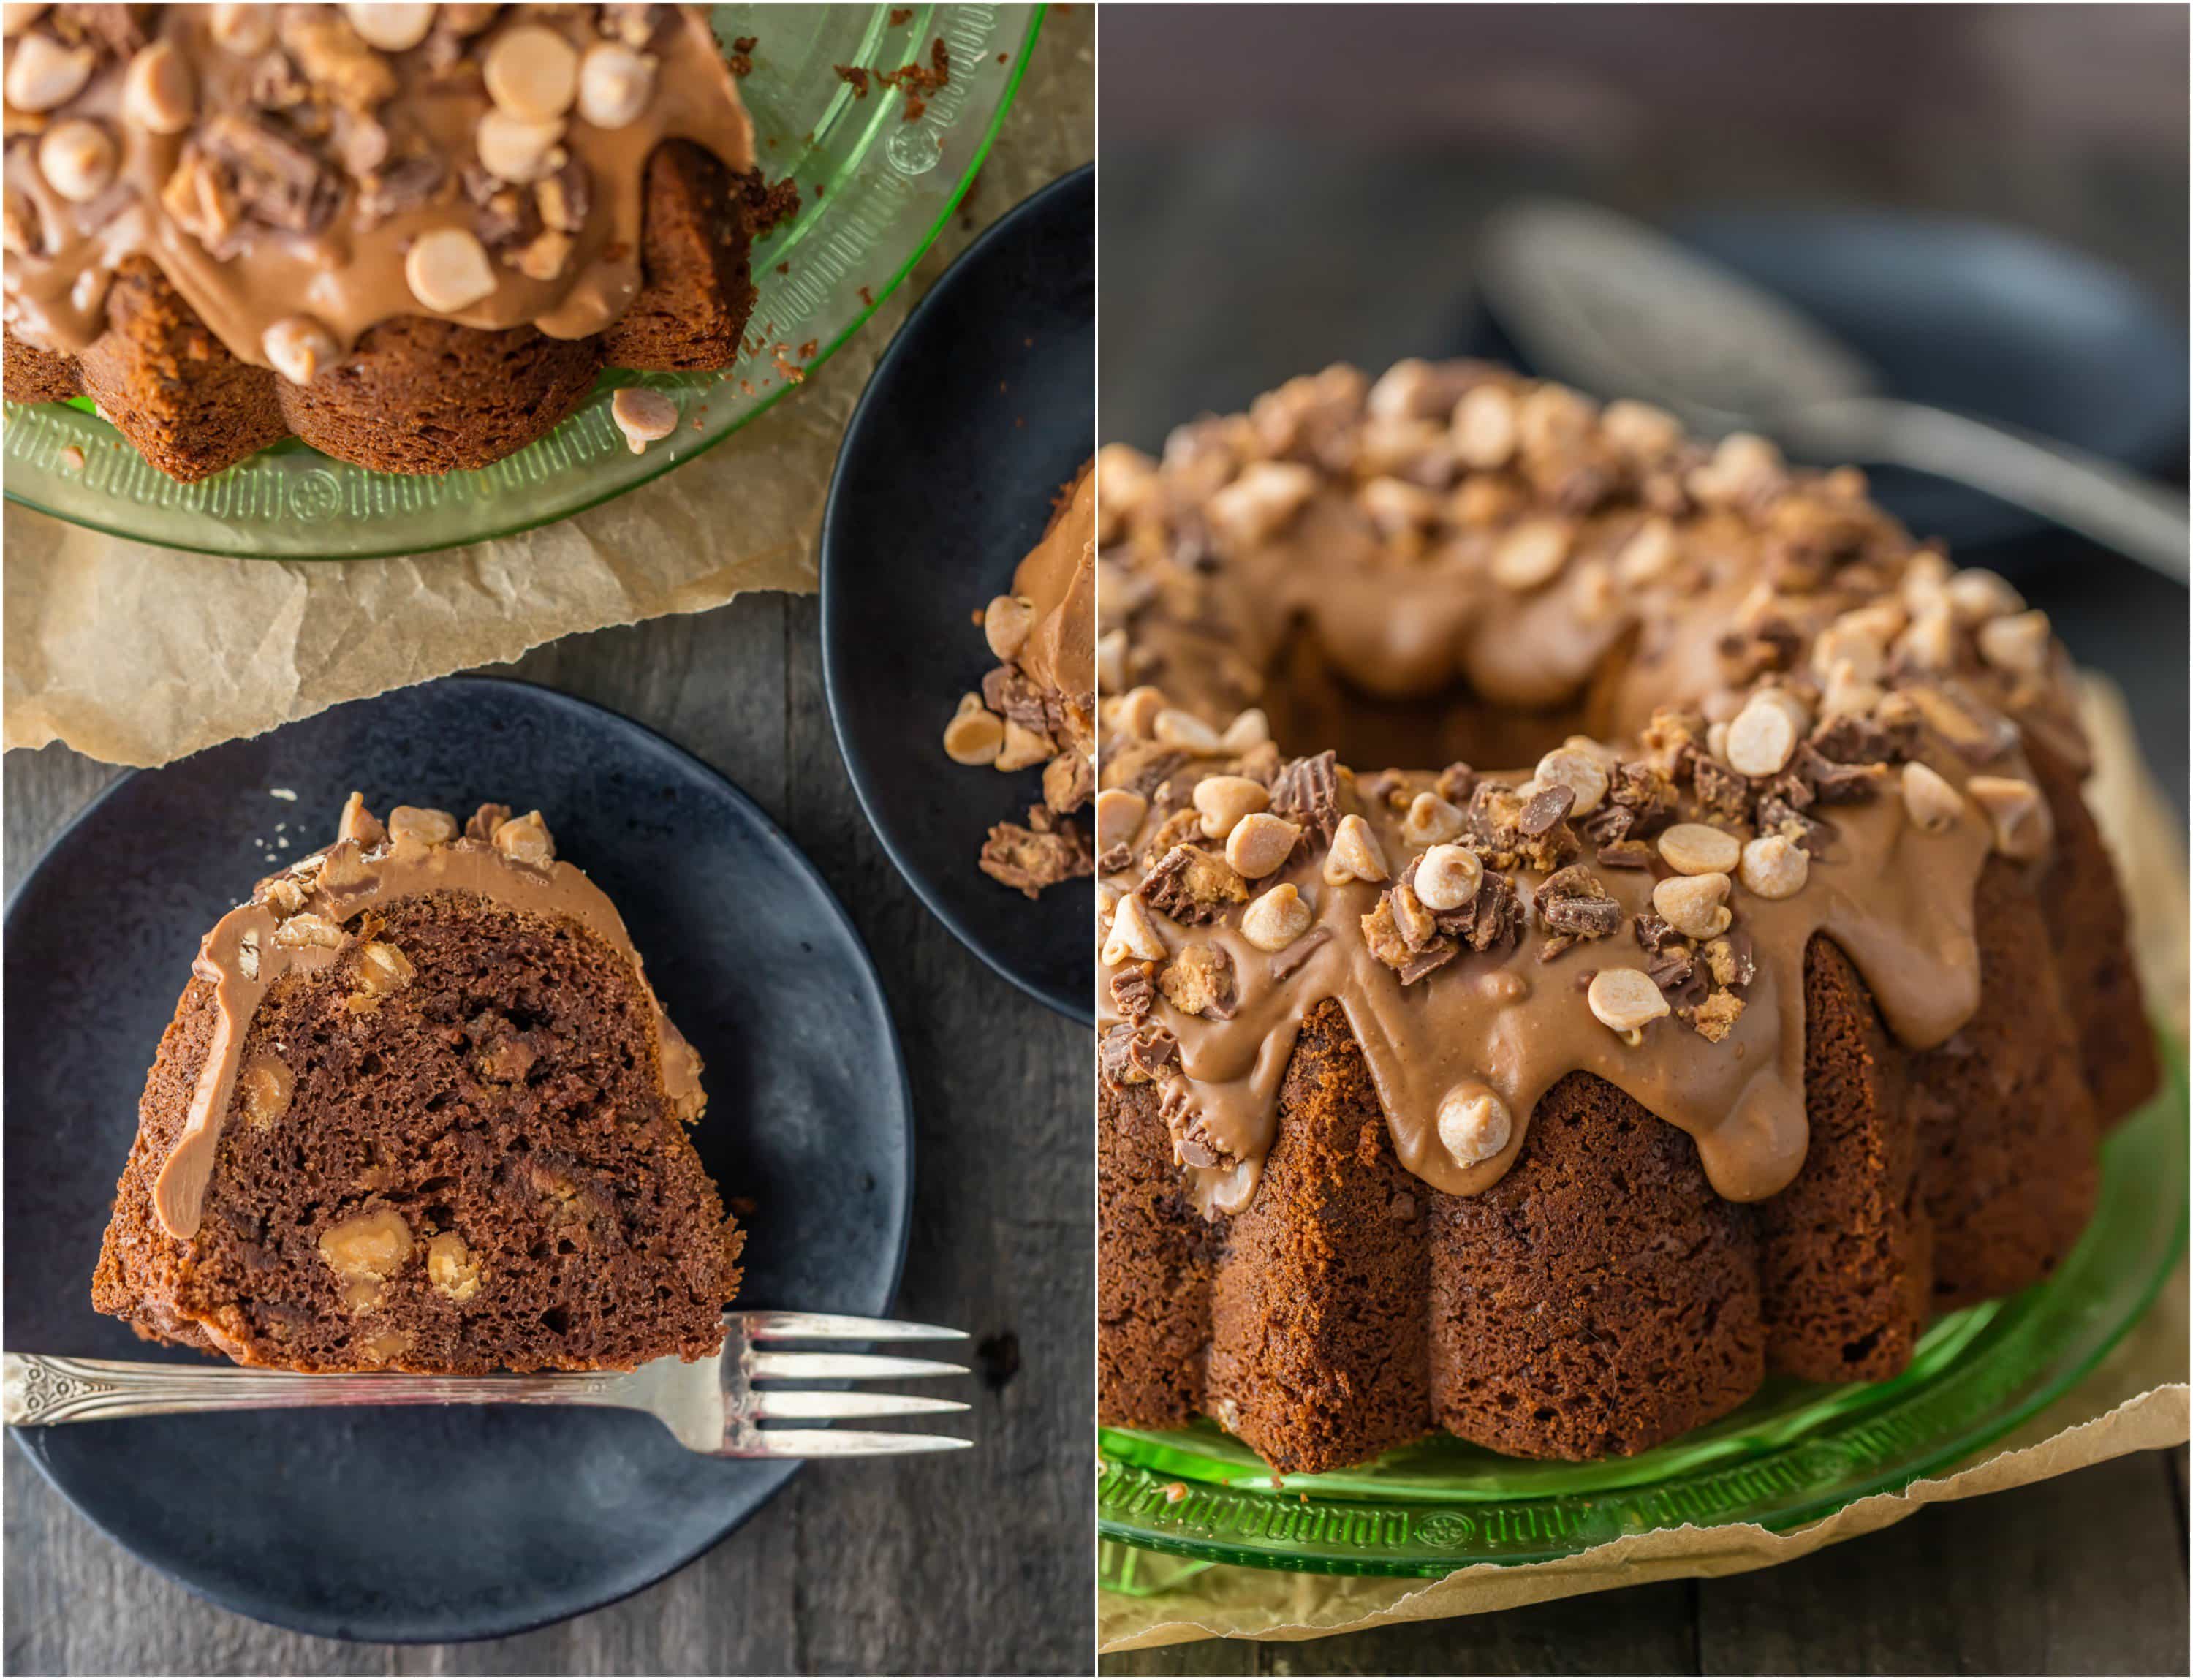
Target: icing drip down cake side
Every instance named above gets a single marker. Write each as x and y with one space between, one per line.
419 1110
1737 982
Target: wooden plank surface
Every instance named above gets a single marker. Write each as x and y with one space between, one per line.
974 1563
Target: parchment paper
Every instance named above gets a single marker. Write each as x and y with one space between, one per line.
137 655
2135 1401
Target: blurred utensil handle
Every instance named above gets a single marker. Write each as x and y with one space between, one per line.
2141 520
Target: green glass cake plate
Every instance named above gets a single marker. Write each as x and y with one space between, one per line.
1172 1503
875 191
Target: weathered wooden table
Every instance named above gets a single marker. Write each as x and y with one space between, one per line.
971 1563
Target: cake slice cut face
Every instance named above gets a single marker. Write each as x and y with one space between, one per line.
419 1110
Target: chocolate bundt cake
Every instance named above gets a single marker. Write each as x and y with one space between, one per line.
419 1110
1777 1007
1039 706
412 236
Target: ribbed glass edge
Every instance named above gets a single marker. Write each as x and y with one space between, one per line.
1984 1373
332 495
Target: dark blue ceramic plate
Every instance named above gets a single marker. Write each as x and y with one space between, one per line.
432 1524
981 409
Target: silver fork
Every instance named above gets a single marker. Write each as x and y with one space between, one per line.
713 1407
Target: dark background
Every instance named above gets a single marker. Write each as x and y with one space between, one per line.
1282 187
1286 186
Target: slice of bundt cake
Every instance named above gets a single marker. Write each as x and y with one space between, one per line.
1039 705
1777 1007
419 1110
412 236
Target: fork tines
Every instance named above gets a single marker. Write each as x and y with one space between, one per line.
760 1364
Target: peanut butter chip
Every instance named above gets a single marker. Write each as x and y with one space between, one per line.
1137 712
43 75
1224 800
1698 849
1484 431
1646 556
1431 821
614 84
2018 643
448 270
1932 804
1006 624
532 71
1260 843
157 92
265 1086
393 29
1355 855
1762 737
299 347
1119 813
976 734
1531 555
1580 773
2015 812
365 1251
1277 919
1694 905
1134 937
1184 730
645 416
77 159
1625 1001
421 825
1023 747
1260 503
514 149
524 839
452 1268
244 31
1249 729
1773 867
1448 877
1473 1123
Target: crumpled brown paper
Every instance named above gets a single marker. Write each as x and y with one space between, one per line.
2135 1401
137 655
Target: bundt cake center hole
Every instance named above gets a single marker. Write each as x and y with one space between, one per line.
1313 704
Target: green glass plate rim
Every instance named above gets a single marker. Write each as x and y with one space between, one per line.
2165 1110
670 462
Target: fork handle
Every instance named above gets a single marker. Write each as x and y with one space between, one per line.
39 1388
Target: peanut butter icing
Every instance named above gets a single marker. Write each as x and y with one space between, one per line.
290 178
297 924
1765 715
1058 580
1039 705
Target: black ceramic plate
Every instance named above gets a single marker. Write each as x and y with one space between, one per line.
981 409
426 1524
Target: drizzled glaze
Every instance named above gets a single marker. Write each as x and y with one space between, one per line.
1212 591
350 276
1058 578
244 958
